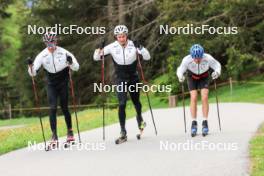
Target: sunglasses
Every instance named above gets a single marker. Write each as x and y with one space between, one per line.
50 44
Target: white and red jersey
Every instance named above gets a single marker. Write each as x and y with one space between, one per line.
207 62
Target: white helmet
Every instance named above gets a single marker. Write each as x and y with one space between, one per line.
120 29
49 37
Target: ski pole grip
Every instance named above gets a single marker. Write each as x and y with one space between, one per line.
29 61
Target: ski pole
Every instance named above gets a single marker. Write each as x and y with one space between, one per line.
103 83
183 105
216 97
74 103
145 82
38 107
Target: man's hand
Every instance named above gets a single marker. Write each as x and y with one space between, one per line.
181 79
29 61
215 75
138 45
101 48
69 59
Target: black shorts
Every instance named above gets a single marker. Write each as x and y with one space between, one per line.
198 84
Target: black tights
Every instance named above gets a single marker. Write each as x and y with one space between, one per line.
54 92
122 99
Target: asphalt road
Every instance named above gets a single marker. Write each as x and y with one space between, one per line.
170 153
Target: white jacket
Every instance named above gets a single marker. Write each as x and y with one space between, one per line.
121 55
53 62
206 63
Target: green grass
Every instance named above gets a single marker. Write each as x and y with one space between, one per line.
242 92
17 121
257 153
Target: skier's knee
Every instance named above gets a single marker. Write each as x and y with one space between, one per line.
194 97
122 105
65 110
138 105
64 106
53 106
53 109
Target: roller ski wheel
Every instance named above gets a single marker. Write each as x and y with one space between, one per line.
68 143
121 139
141 129
205 128
53 145
194 128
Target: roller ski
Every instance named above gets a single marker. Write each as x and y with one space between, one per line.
70 139
194 128
141 129
205 128
54 143
122 138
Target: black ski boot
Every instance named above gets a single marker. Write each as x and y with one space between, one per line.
141 127
194 128
205 128
122 138
53 142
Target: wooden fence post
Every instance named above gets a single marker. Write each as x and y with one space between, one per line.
231 86
10 111
173 100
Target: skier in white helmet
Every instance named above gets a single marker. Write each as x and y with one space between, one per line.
56 61
124 54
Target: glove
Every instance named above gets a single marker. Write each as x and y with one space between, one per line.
181 79
138 45
69 59
29 61
215 75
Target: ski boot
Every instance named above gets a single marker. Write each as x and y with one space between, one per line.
70 139
205 128
53 144
122 138
194 128
141 129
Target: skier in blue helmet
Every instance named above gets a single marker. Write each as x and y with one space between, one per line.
197 65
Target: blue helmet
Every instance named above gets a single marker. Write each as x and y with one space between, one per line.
196 51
